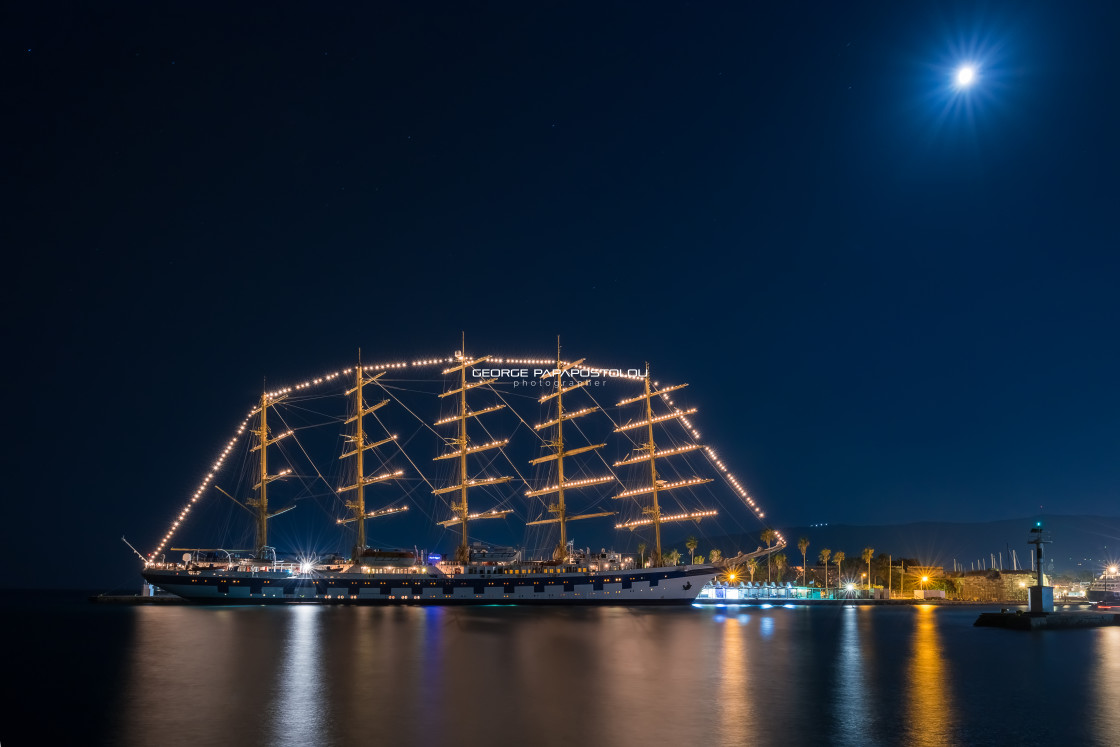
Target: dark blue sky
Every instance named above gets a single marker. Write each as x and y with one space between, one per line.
894 301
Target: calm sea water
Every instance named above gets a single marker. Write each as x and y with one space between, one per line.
78 673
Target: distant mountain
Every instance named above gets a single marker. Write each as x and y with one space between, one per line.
1080 542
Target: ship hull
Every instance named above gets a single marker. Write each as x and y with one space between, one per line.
1105 591
660 586
1104 597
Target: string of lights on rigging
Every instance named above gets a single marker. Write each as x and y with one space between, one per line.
218 463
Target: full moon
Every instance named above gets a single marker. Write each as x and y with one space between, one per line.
965 75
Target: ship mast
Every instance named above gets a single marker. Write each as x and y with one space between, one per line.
263 442
649 453
462 448
559 453
361 445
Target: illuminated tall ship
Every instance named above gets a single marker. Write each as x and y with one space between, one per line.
571 481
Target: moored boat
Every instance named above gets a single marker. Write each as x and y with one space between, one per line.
1105 589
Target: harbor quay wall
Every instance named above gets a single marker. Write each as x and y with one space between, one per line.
995 586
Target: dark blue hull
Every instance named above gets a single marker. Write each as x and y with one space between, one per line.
638 587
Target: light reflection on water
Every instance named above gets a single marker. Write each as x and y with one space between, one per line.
930 709
506 675
853 688
1106 684
300 708
737 705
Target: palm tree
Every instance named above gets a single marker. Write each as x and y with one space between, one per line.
642 553
803 546
752 567
768 536
699 559
672 557
780 561
867 555
692 543
838 558
824 556
715 556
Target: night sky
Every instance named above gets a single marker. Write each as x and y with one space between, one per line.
895 300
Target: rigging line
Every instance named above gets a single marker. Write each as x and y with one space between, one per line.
297 428
611 420
423 423
330 418
410 412
514 393
502 450
603 459
430 485
402 451
542 438
515 412
502 501
287 404
428 392
431 515
307 398
314 466
395 380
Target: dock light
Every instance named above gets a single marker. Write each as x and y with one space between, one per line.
731 576
966 75
851 587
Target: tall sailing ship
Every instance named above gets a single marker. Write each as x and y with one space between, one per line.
474 572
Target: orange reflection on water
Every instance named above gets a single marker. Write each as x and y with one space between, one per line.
736 707
181 671
1105 715
930 718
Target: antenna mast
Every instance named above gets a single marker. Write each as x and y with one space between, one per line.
462 448
260 503
362 445
559 453
657 485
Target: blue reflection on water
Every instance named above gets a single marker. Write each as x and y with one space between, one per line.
850 707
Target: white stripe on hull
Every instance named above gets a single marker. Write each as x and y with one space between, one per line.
679 589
